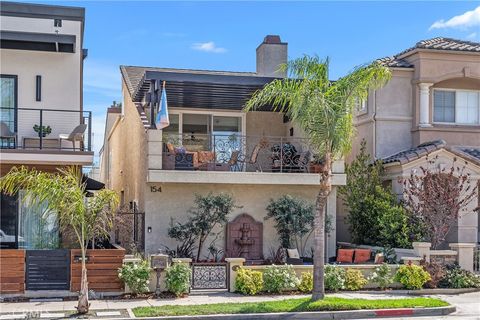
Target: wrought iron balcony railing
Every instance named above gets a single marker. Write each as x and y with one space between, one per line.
233 152
45 129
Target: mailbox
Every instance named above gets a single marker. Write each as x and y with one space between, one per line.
159 261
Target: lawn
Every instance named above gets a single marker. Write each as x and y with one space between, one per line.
288 305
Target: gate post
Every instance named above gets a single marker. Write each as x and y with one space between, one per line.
233 265
464 254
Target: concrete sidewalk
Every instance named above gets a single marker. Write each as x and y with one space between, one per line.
197 297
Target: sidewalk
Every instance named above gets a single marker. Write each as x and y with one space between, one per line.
197 297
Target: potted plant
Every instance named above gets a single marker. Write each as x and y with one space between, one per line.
46 130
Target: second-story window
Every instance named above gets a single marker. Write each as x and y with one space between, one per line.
456 106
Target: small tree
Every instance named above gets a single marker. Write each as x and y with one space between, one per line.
437 195
374 217
209 211
64 194
293 220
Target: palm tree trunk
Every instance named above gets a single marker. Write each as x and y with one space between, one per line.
83 304
319 230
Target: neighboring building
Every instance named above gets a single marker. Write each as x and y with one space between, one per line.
211 145
434 94
41 75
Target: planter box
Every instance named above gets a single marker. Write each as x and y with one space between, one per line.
12 271
102 269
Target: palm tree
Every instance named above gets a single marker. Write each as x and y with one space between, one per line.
324 110
63 194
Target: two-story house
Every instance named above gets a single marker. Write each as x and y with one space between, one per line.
431 106
43 124
211 145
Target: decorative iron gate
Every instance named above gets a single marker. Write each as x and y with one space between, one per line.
209 275
47 269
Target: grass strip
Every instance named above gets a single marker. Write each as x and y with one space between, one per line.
288 305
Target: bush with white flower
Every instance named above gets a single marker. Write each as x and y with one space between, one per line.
136 276
280 278
382 276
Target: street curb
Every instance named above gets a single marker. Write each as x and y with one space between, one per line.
322 315
420 292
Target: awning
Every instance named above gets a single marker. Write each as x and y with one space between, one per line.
37 41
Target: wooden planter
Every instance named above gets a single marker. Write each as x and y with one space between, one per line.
102 269
12 271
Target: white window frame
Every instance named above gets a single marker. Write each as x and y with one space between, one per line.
455 123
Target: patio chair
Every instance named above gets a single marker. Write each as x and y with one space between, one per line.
75 135
254 157
234 162
6 134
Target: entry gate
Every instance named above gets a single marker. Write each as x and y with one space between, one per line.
209 275
47 269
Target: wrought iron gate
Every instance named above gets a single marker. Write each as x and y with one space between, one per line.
47 269
209 275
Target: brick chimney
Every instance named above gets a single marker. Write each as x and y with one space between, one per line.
271 53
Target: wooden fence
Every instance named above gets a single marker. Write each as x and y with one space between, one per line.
12 271
102 269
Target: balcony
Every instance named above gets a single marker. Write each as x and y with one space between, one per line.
48 136
233 158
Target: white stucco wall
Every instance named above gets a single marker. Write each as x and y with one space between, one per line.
61 76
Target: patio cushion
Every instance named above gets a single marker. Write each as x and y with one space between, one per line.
362 255
345 255
293 253
170 148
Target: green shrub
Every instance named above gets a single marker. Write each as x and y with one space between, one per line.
412 276
279 278
306 282
334 278
382 276
136 276
354 280
248 281
177 278
456 277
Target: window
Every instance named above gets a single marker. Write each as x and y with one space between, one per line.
456 106
361 106
8 109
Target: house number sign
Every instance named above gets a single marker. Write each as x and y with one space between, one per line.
155 189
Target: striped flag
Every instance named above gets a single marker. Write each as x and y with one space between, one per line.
162 120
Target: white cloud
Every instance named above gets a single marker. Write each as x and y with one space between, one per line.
208 47
102 78
472 36
463 21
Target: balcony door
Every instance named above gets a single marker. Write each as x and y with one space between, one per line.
8 110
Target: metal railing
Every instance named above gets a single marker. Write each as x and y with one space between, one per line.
50 129
233 152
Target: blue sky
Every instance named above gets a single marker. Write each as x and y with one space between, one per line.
224 35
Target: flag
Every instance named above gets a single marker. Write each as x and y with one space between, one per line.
162 120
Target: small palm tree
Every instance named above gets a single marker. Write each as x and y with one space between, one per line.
324 110
63 193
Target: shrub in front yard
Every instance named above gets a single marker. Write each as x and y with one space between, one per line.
306 282
354 280
248 281
136 276
457 278
412 276
279 278
437 273
177 278
382 276
334 278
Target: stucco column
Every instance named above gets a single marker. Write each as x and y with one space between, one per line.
422 249
233 265
464 254
425 104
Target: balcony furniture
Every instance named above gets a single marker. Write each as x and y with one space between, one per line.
362 255
233 162
34 143
212 166
75 135
6 134
345 255
253 160
293 257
